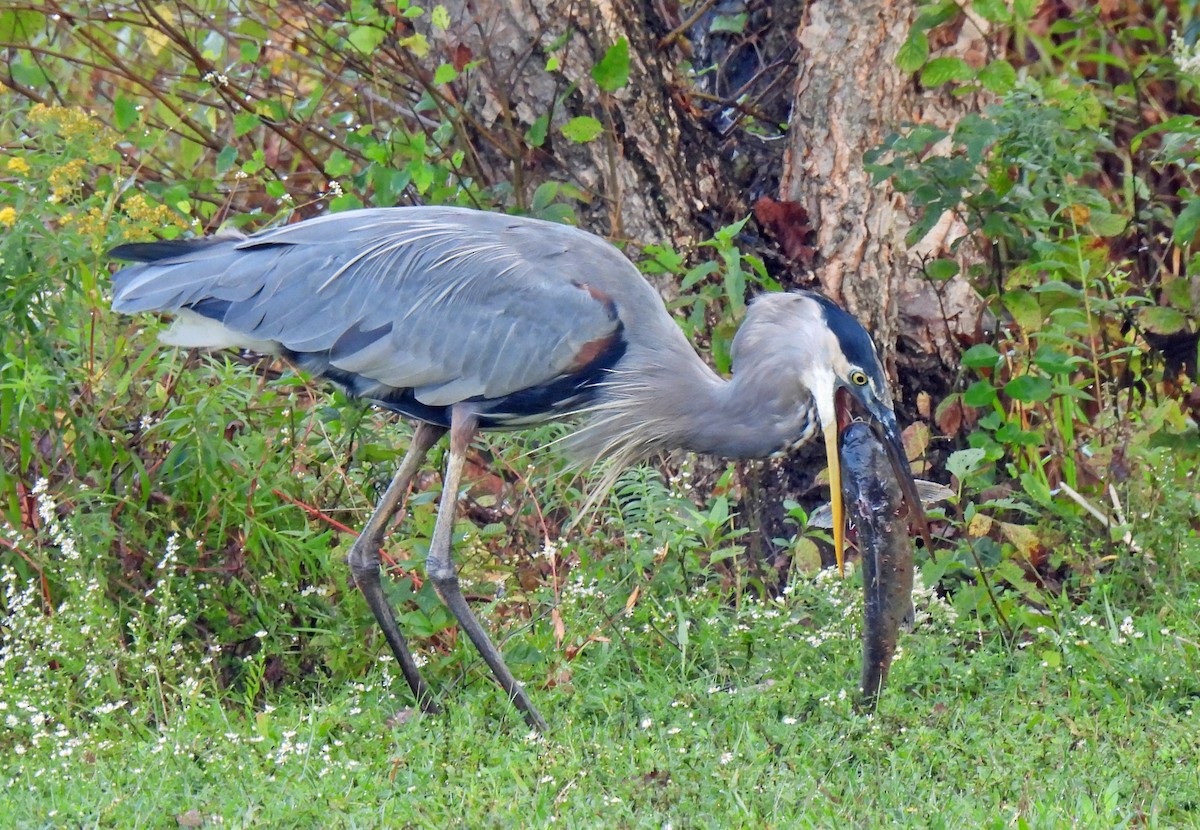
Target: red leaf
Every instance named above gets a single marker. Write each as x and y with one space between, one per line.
949 417
462 56
788 222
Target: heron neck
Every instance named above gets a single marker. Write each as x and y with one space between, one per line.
755 414
667 398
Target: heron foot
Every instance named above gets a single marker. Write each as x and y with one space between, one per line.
450 592
363 560
367 580
439 566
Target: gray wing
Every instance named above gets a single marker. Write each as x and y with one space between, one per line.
450 302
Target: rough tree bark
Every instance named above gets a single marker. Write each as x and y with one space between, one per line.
652 172
849 96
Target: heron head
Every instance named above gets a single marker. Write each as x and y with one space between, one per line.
846 379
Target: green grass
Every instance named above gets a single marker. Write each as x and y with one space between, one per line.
687 713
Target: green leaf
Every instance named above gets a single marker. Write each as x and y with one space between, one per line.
338 164
366 39
445 73
1025 309
251 28
913 53
1025 9
981 393
1105 58
933 16
964 462
999 180
543 196
28 72
718 514
125 113
559 212
976 133
275 189
535 136
941 70
994 11
694 275
307 106
272 109
1029 388
1065 25
440 18
1057 287
1178 123
1188 222
981 356
1105 224
244 122
733 24
1140 33
612 71
1051 360
998 77
1179 293
256 162
226 159
416 43
1162 320
423 175
250 51
941 269
1013 434
20 26
582 129
661 260
346 201
1036 489
387 183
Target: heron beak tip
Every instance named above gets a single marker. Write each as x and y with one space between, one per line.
894 444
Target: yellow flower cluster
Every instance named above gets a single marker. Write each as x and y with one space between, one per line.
92 224
17 165
8 216
146 217
74 125
138 219
65 179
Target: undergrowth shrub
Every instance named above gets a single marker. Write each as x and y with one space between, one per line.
1077 185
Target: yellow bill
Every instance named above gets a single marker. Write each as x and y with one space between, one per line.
835 495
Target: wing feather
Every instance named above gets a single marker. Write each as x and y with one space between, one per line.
478 304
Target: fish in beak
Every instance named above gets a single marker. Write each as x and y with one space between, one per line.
848 408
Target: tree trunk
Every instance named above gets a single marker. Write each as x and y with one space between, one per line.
849 96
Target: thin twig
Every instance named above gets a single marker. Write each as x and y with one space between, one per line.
678 31
1075 496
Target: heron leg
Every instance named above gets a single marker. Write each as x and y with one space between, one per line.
363 560
440 567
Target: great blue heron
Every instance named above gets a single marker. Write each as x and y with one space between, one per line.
466 320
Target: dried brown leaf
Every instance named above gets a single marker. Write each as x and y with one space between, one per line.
789 223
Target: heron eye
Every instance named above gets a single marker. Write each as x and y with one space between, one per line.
858 378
